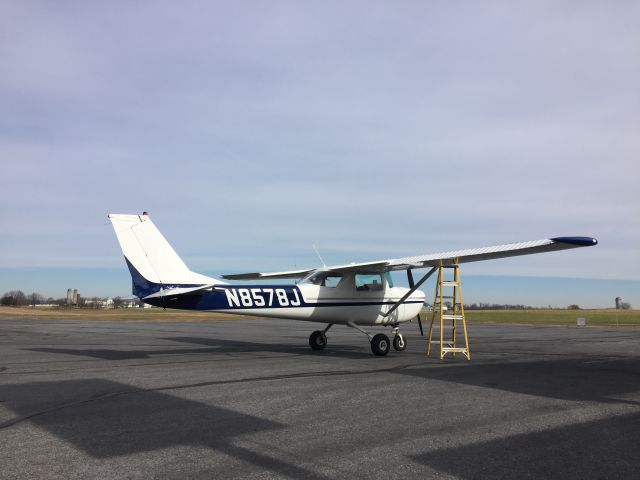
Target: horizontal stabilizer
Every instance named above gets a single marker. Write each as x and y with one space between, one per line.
172 292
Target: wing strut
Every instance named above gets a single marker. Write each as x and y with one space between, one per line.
411 284
411 290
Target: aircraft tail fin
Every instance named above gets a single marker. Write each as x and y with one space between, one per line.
154 265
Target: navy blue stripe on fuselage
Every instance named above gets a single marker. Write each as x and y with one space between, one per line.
249 297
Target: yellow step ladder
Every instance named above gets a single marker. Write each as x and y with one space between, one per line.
455 314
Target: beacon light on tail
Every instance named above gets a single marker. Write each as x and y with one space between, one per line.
356 295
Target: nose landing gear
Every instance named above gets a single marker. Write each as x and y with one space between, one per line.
399 343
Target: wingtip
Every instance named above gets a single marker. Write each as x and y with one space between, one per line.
577 241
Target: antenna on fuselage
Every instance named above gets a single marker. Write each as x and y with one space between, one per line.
324 265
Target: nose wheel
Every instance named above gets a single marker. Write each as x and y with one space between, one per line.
399 343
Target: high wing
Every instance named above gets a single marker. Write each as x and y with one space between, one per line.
437 259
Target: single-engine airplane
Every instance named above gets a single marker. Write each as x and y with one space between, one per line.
356 295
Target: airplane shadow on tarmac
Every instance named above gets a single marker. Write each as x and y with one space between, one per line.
108 419
587 378
215 346
127 419
574 379
599 449
605 448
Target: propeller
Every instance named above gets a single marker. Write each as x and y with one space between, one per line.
411 284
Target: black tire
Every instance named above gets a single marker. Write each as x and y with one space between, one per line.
399 342
317 340
380 344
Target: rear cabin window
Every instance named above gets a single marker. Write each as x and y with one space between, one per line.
368 282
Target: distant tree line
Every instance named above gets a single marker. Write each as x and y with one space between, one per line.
17 298
494 306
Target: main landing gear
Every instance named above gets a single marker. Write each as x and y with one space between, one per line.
380 343
318 339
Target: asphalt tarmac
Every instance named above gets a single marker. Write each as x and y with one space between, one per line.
250 399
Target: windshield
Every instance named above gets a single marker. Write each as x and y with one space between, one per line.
387 275
369 281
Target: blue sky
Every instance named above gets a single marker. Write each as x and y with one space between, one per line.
252 130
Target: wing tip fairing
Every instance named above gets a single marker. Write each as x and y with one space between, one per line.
577 241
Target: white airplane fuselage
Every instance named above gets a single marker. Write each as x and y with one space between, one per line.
345 302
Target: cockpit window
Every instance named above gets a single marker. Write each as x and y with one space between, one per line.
332 280
324 279
369 282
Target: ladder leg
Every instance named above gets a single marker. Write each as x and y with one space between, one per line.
441 313
433 317
464 320
455 311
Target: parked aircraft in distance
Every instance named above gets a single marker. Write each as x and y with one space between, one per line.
356 295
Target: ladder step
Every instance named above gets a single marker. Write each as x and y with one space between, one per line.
454 350
451 283
452 317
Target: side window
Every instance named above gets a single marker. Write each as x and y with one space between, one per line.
368 282
332 280
324 279
315 279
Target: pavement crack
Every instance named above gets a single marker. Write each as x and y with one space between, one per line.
324 373
55 408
